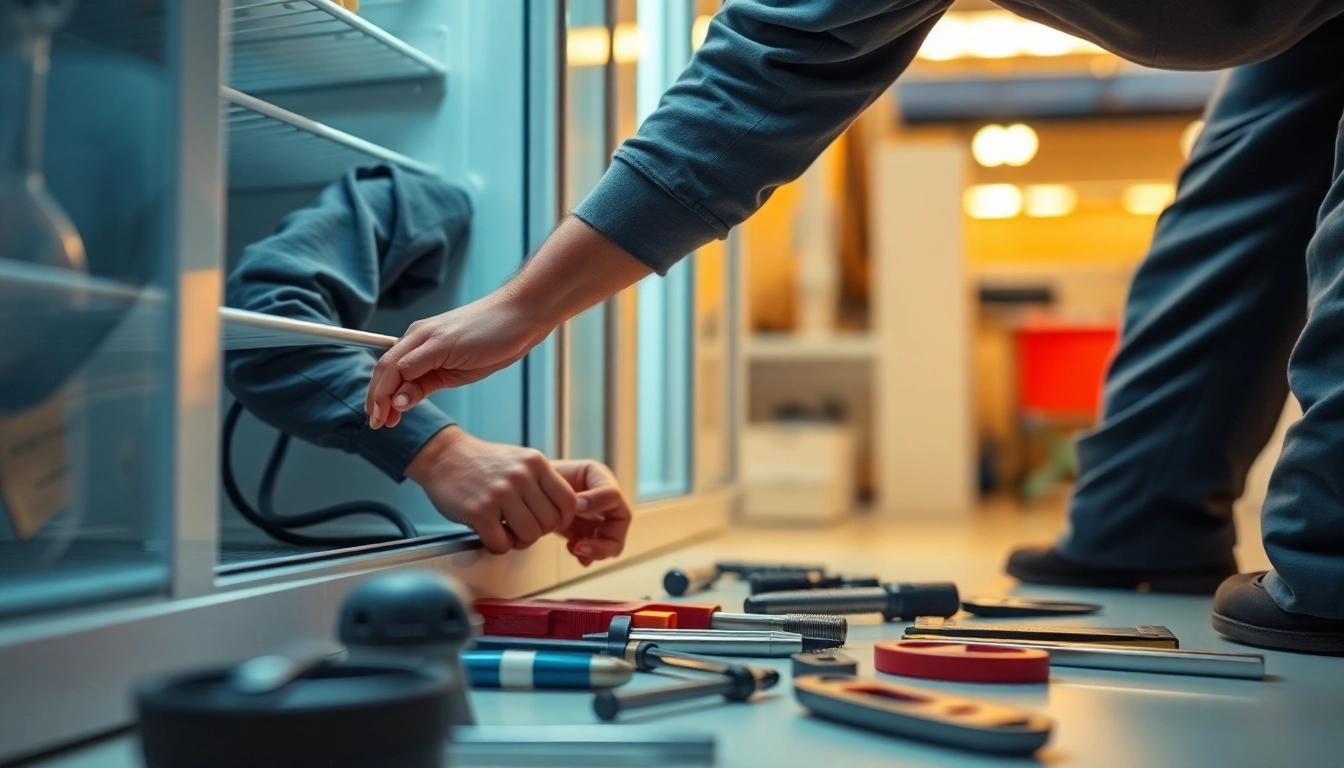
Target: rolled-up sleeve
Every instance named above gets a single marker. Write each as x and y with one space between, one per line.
775 82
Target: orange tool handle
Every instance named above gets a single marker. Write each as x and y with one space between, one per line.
572 619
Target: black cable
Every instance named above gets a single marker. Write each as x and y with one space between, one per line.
278 526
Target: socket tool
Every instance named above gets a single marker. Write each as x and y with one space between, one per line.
961 662
1166 661
717 642
739 683
1142 636
918 714
1004 607
762 583
896 602
577 746
833 664
528 670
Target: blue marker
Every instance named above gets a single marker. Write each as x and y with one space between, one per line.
544 669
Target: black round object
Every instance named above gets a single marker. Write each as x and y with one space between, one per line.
333 716
933 598
402 608
999 607
834 664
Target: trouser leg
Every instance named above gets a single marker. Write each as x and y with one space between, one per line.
1303 520
1198 382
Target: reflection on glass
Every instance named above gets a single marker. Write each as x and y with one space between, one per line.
84 331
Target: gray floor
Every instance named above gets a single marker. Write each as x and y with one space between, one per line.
1294 718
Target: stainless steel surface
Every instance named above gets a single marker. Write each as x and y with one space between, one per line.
842 601
1249 666
716 642
242 329
580 746
807 624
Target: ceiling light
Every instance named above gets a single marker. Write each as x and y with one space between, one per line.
993 35
1189 136
699 31
1147 199
992 201
995 145
1049 200
945 40
997 35
587 47
628 43
1040 40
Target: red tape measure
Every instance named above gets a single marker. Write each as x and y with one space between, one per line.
964 662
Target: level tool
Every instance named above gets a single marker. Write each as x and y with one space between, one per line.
962 662
1142 636
926 715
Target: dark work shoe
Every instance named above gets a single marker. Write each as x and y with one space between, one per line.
1243 611
1043 565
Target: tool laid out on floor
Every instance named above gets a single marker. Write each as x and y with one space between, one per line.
573 619
1004 607
526 670
578 746
680 582
644 655
832 664
739 683
961 662
762 583
925 715
1142 636
896 602
1166 661
712 642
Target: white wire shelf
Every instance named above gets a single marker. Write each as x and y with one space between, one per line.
282 44
273 147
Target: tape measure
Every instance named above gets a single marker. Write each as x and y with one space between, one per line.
964 662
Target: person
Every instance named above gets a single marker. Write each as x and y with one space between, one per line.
1192 394
384 237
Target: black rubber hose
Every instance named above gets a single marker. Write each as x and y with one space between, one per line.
278 526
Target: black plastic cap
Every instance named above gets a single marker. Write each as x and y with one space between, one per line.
935 598
676 583
403 608
606 706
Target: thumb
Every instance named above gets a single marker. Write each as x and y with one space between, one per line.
408 394
594 502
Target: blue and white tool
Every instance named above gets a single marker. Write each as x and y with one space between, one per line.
526 670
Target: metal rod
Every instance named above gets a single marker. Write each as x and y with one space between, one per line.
1247 666
714 642
250 330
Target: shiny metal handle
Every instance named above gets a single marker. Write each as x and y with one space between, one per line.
242 329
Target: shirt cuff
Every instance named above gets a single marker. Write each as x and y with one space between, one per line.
639 216
392 449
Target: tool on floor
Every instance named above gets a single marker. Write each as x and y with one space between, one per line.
644 655
527 670
578 746
1142 636
833 664
412 615
961 662
925 715
687 581
738 684
1167 661
573 619
717 642
896 602
761 583
1002 607
747 570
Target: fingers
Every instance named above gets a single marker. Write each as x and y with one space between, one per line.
493 537
523 526
407 396
414 355
598 502
557 490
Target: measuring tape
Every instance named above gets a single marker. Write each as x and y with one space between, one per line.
964 662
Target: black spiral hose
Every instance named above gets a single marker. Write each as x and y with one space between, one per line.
278 526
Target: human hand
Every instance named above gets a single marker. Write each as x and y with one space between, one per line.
603 517
510 496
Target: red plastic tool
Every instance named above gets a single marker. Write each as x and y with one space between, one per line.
964 662
572 619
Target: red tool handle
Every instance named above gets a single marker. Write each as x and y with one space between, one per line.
572 619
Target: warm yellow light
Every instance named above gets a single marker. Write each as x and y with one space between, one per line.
699 31
1147 199
587 47
1049 200
1189 136
995 145
997 35
628 46
992 201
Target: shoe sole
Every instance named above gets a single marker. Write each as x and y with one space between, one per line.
1279 639
1175 583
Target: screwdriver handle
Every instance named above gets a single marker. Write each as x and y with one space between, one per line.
894 601
687 581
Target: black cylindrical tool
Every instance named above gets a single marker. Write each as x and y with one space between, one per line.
687 581
896 602
737 684
833 664
762 583
745 570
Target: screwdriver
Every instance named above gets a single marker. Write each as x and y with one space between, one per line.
738 683
762 583
687 581
896 602
714 642
644 655
527 670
